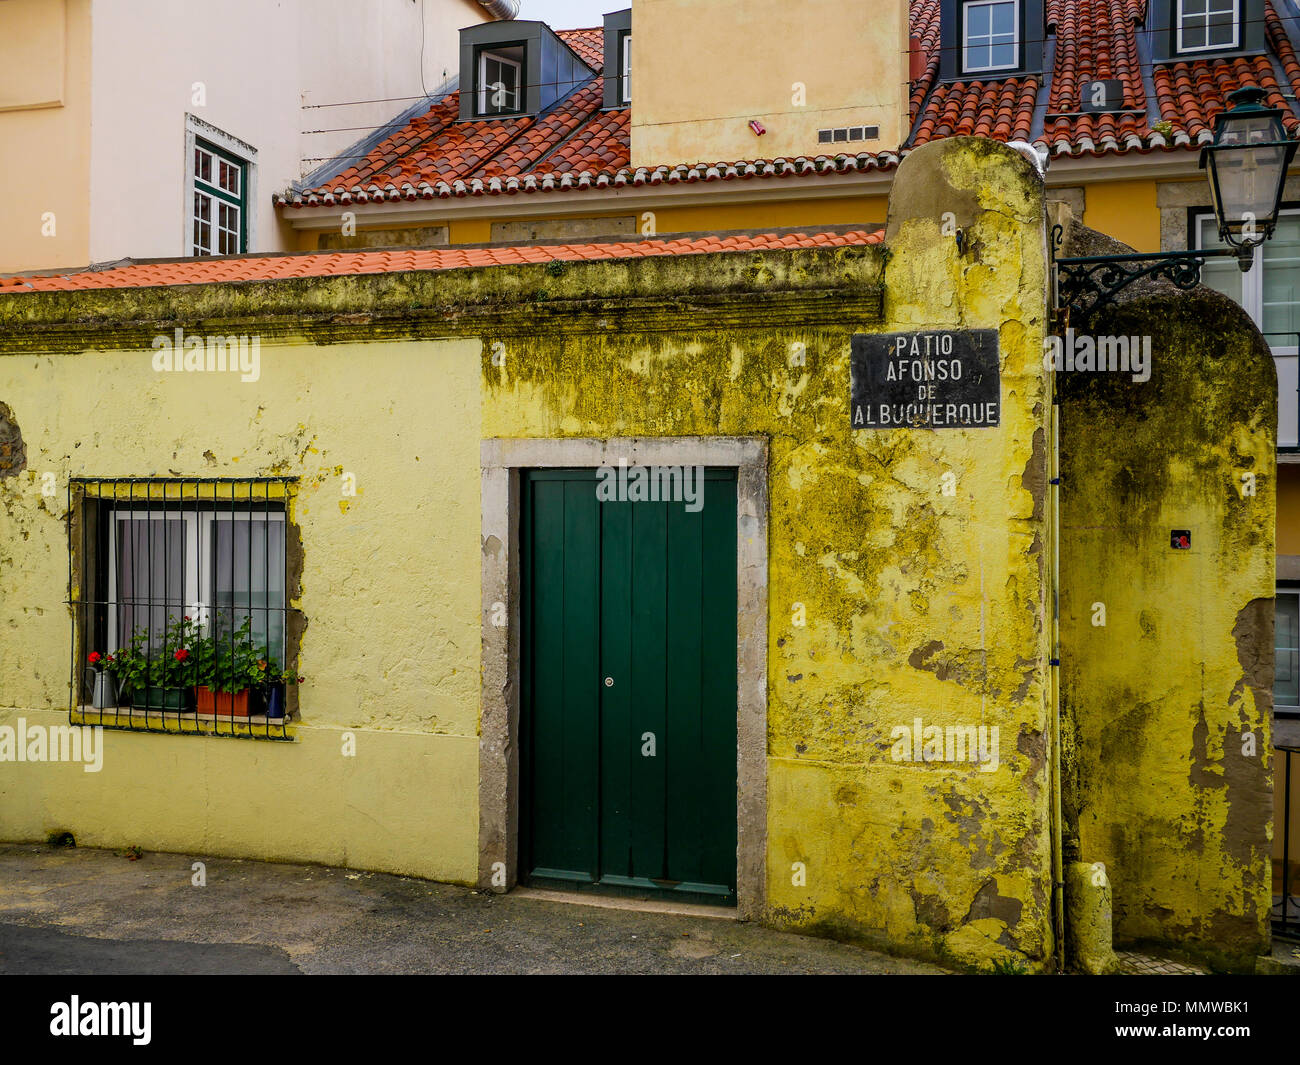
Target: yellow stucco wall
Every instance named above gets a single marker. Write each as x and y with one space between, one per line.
746 59
1288 509
1167 653
1125 210
915 603
868 211
389 591
45 133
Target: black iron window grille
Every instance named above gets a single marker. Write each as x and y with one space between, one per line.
180 598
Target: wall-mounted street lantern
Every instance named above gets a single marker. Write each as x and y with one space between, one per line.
1247 166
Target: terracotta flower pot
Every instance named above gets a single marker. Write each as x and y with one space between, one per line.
222 704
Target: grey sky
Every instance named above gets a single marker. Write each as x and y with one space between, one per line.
570 14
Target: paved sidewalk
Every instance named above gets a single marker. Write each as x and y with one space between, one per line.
71 911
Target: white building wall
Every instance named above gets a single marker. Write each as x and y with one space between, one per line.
258 62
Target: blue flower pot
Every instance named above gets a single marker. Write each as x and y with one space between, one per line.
274 696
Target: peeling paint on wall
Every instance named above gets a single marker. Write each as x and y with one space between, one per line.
1168 704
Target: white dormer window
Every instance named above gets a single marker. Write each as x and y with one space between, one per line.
991 35
500 81
1207 24
626 90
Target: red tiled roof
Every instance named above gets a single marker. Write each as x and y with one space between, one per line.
1096 40
580 146
1003 110
205 271
925 29
589 44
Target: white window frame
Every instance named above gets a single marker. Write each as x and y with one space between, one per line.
206 190
1284 709
626 77
1286 357
966 65
198 530
245 154
1181 16
483 86
191 551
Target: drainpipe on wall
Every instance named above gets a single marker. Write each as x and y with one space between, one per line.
1054 590
1058 863
503 10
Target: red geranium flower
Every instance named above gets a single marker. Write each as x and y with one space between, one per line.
181 655
93 657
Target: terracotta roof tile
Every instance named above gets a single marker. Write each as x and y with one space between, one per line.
578 145
1003 110
353 263
925 28
1096 40
588 43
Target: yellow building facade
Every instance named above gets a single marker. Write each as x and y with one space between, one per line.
895 741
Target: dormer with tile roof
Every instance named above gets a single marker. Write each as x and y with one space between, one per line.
1187 30
618 59
516 68
984 40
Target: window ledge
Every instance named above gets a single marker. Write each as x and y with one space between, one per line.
257 727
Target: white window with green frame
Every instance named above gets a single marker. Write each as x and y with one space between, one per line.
1270 294
220 202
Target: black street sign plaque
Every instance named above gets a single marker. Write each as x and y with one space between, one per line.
938 379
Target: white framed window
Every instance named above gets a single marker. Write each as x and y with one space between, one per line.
217 568
500 82
1207 24
1270 294
626 89
217 219
990 35
1286 648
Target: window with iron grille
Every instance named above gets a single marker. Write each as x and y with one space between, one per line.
218 222
181 616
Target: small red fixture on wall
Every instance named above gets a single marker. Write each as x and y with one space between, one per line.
757 126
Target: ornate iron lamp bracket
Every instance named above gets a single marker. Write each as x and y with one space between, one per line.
1084 283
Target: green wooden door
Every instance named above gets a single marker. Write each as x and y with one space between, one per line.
628 663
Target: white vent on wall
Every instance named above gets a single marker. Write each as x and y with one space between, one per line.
848 133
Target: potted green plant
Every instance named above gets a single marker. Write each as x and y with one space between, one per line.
129 664
226 670
104 691
163 679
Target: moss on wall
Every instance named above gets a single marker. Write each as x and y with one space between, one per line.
888 600
890 597
1168 703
